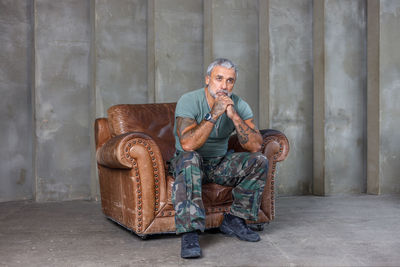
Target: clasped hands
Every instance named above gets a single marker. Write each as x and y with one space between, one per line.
223 104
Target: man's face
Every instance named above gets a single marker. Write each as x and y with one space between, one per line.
221 81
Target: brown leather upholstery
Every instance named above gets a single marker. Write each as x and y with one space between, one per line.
155 120
133 146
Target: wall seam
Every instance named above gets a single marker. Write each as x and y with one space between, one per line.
264 65
319 184
33 101
207 35
94 192
151 51
373 97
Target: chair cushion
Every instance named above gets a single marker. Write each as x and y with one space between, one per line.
156 120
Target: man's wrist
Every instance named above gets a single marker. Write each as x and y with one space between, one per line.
209 117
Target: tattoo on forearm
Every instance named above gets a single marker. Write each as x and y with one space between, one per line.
183 123
243 136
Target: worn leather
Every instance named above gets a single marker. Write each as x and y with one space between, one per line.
133 147
156 120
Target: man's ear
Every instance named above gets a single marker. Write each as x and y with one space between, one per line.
207 79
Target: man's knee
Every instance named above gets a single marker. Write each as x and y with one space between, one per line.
260 159
261 162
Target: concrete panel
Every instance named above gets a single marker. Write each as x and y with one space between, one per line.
62 35
178 30
390 96
235 36
291 88
120 58
16 180
345 96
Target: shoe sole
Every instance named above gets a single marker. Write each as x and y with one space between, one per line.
191 256
229 232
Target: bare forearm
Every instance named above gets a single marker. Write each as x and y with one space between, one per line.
197 136
250 139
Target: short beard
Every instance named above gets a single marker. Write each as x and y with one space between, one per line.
214 95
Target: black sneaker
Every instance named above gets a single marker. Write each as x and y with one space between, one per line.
190 247
235 226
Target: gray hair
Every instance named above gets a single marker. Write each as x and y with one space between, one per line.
223 62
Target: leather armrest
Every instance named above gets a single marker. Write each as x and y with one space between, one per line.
275 144
120 151
146 183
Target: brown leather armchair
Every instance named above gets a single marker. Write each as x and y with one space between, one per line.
132 149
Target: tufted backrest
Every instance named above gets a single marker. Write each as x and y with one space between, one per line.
156 120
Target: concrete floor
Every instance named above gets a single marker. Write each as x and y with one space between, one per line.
359 230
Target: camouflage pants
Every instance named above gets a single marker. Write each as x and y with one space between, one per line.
246 172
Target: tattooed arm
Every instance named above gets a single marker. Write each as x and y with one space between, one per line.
247 132
192 135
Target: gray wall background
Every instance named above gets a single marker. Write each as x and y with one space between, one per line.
345 96
291 78
64 63
16 88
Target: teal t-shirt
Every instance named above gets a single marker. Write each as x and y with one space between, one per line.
194 105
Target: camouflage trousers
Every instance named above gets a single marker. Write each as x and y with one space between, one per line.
245 172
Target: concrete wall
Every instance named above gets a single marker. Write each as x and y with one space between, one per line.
291 90
178 28
390 96
120 53
345 96
62 97
16 179
90 54
235 36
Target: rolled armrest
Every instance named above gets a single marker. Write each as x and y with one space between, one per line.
119 151
139 153
111 154
275 144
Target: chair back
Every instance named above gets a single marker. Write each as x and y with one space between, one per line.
156 120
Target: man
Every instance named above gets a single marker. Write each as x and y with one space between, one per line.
204 120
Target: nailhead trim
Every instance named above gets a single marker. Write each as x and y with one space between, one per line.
148 147
273 190
273 171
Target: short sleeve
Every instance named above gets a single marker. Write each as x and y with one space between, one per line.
184 107
244 110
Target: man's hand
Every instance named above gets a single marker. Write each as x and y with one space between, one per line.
220 105
231 112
